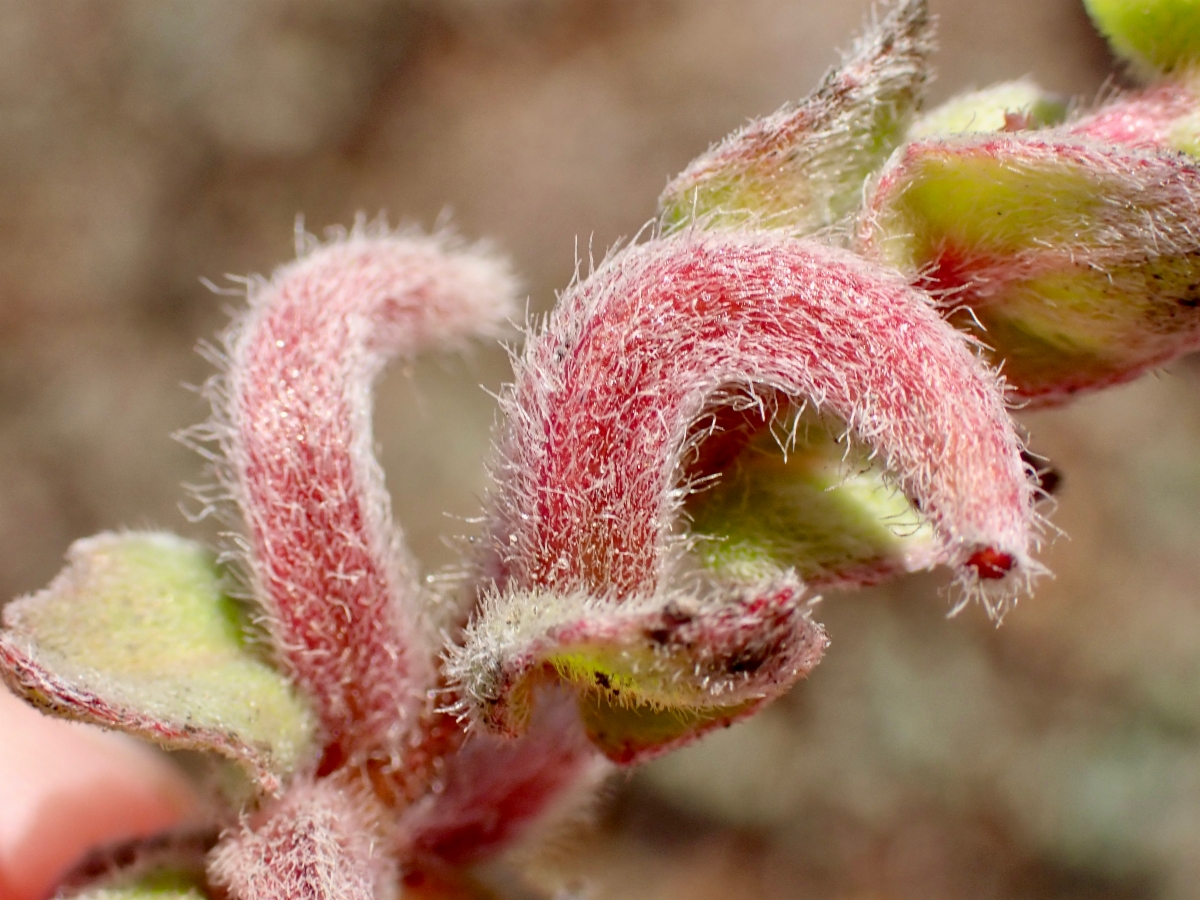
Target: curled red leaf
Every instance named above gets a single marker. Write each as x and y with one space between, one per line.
586 543
293 418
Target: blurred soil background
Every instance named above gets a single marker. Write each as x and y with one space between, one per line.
145 144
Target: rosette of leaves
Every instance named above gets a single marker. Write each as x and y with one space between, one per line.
326 683
314 695
580 631
774 391
1084 224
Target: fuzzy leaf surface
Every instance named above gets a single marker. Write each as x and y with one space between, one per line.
164 885
801 168
137 634
317 842
1011 106
293 429
650 675
1164 115
1078 264
608 415
814 504
494 789
602 421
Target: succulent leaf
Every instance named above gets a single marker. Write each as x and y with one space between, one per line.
317 842
652 674
594 469
1078 264
162 885
1164 115
293 424
137 634
494 790
602 420
1154 35
816 504
166 867
801 169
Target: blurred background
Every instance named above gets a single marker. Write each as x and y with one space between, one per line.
146 144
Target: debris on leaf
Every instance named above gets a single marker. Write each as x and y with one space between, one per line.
1012 106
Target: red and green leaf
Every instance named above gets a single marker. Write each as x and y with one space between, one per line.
1076 263
801 169
609 412
138 634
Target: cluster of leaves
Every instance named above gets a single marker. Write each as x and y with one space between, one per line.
791 382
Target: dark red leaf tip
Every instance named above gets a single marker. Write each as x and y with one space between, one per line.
991 563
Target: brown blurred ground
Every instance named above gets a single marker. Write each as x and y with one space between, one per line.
147 143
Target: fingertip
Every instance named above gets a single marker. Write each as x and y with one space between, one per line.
69 788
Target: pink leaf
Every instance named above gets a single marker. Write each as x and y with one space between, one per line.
1154 118
294 422
495 790
586 540
605 397
317 842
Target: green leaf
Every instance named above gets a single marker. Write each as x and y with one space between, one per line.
1077 264
1154 35
822 508
802 168
164 884
637 732
137 634
651 674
